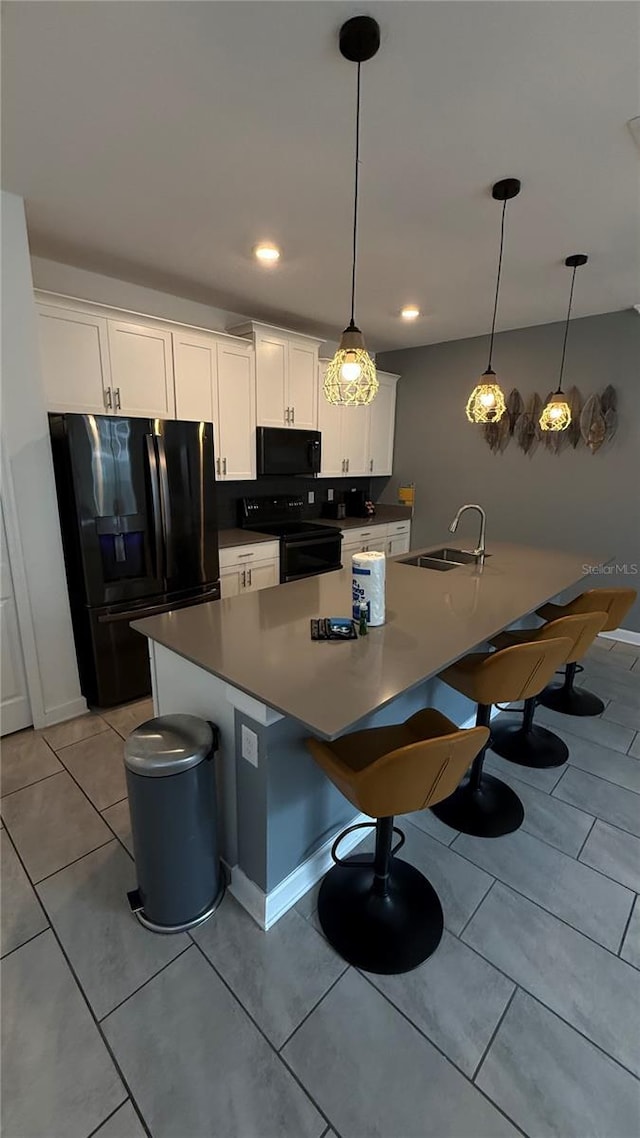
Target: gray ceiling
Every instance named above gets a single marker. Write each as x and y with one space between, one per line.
159 141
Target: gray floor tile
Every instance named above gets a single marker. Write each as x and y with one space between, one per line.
51 824
278 975
21 916
604 762
630 950
110 952
25 758
373 1074
58 1078
615 853
610 658
611 683
634 749
123 1124
73 730
548 818
621 712
119 819
429 824
572 891
125 719
596 730
596 796
98 765
455 998
596 992
620 647
544 780
459 885
196 1064
552 1082
308 903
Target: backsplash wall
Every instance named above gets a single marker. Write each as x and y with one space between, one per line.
229 493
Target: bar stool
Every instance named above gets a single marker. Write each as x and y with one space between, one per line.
615 603
484 805
380 913
525 743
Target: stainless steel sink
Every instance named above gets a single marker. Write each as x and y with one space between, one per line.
441 559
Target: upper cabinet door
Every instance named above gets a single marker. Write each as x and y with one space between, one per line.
355 438
75 361
332 455
382 426
303 386
237 413
195 363
272 367
141 370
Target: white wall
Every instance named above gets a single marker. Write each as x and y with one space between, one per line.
45 622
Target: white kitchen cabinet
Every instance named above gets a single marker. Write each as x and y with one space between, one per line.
214 382
400 544
248 568
286 376
390 538
345 436
141 370
75 361
382 418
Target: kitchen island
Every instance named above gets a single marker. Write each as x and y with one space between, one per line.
248 663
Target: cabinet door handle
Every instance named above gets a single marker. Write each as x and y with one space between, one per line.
293 414
218 466
116 398
107 399
224 466
249 572
347 466
371 466
287 412
244 578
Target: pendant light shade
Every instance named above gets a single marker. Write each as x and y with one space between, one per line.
350 378
486 403
556 414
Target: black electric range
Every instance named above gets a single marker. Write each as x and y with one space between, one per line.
306 547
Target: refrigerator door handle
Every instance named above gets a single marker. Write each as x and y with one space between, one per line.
155 504
165 504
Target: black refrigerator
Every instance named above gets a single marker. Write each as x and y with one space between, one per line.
137 502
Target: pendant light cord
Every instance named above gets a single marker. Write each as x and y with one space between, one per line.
495 303
566 331
355 206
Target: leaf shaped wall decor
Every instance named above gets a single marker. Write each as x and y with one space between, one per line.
574 399
592 424
515 407
609 407
528 429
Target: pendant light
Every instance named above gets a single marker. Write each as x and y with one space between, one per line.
556 414
350 378
486 402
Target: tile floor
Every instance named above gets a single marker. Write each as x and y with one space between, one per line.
525 1021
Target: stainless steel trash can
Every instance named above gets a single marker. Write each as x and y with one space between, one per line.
170 770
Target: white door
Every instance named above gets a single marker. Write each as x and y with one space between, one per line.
303 386
195 366
272 365
141 370
236 413
75 361
355 439
332 455
399 544
230 581
382 415
15 711
262 575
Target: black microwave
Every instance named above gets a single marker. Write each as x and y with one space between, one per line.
282 450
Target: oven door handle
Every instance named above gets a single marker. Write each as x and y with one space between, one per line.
301 542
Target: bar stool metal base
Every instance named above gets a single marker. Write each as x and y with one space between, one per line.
485 811
571 701
535 747
382 934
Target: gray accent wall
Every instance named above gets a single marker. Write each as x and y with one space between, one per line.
574 501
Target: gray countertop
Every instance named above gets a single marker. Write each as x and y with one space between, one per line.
227 538
382 516
260 642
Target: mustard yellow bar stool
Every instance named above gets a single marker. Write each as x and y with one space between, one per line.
484 805
380 913
615 603
525 742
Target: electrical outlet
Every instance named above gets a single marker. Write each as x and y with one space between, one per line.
329 495
249 745
311 497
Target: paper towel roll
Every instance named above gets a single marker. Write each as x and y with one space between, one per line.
369 585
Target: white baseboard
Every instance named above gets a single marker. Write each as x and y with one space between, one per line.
63 711
267 908
625 634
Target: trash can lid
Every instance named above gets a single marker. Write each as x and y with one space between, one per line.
168 745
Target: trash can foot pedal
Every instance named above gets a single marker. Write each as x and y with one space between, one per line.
135 903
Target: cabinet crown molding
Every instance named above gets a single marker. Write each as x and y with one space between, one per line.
251 327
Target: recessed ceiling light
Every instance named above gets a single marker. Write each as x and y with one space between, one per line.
410 312
267 254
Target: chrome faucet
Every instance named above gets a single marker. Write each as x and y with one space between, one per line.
479 552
